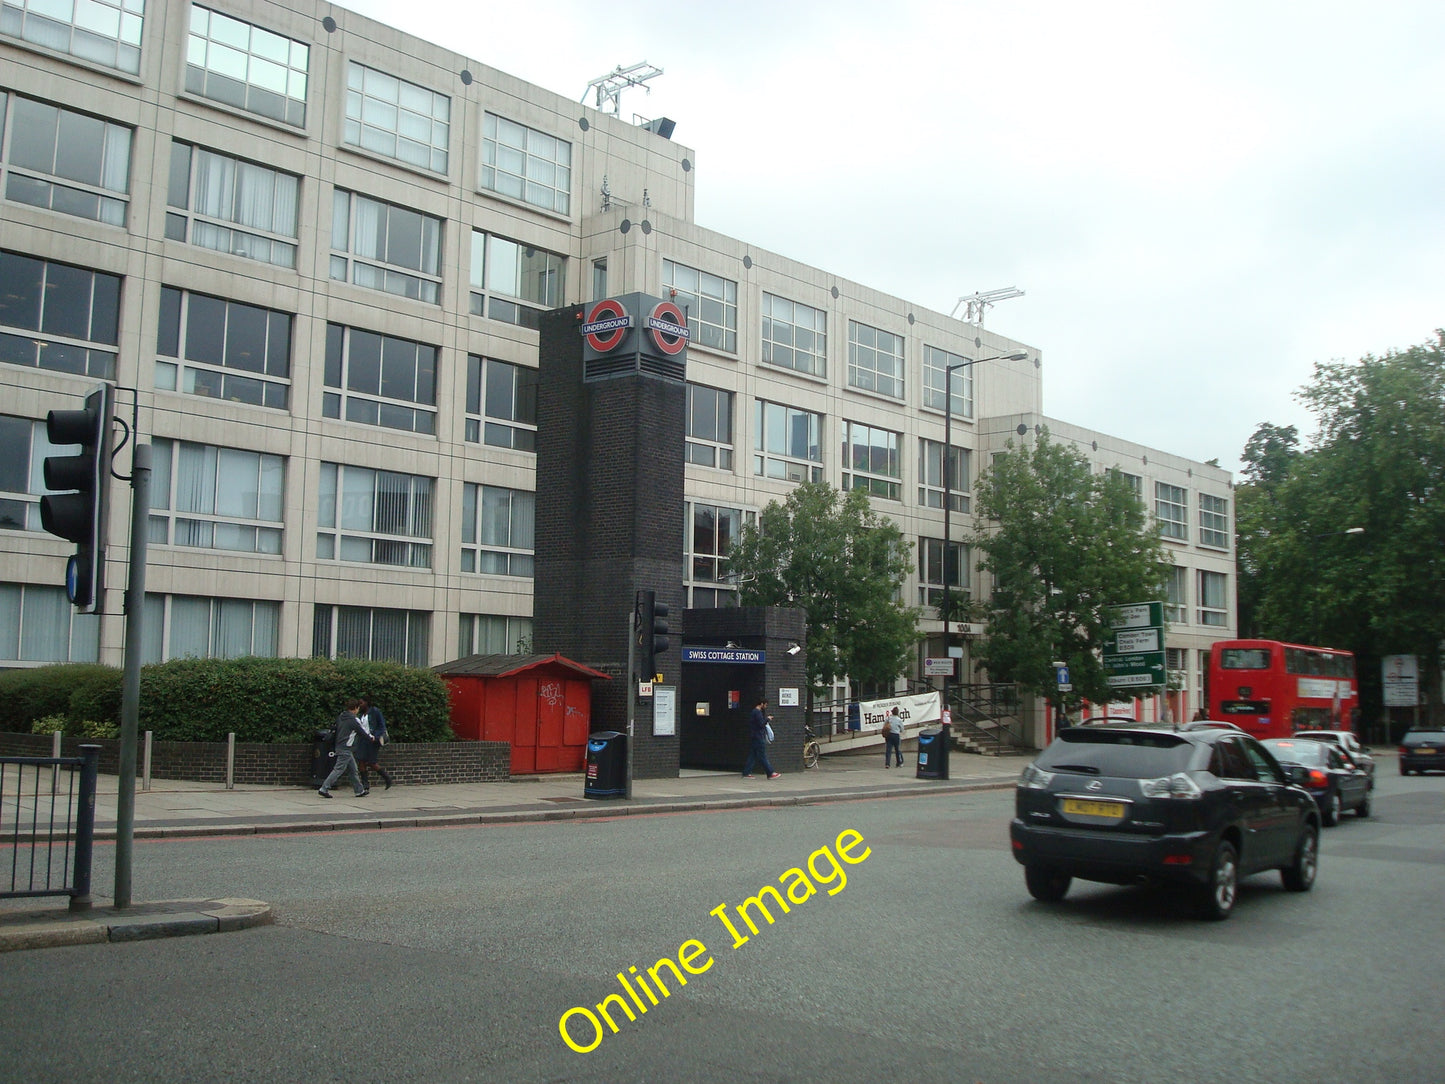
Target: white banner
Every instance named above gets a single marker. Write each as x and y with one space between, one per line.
915 711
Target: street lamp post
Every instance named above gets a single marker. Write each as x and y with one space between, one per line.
944 716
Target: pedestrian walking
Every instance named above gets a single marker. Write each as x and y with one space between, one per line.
348 736
892 738
373 722
758 723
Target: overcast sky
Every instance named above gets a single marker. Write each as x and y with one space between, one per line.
1200 201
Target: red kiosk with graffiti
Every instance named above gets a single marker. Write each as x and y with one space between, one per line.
540 704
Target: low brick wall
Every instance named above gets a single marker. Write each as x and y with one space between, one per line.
281 765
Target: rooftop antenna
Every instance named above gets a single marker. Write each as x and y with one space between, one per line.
609 87
975 305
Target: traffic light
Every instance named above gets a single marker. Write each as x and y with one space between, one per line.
80 516
652 632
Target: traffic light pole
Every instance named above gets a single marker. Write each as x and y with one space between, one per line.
632 626
135 593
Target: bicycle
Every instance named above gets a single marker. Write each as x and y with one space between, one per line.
811 749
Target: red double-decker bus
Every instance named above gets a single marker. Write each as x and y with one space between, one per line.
1270 689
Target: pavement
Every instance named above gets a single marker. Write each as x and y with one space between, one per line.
175 809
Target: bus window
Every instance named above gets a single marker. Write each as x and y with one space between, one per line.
1244 658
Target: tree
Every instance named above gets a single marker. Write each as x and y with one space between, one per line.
1268 457
1066 545
1377 463
844 564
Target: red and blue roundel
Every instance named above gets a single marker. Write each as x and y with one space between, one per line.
607 325
668 328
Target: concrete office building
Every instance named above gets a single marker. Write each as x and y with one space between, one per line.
317 250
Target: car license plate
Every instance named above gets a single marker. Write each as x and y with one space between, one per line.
1426 750
1114 810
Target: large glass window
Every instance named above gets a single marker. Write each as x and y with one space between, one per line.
788 443
401 120
501 404
187 626
526 164
709 427
361 632
931 480
23 448
875 359
216 498
76 313
498 530
934 571
230 205
513 282
1171 511
795 335
1176 600
939 383
1213 598
247 66
223 349
1133 481
374 517
385 247
872 461
105 32
713 531
711 304
38 624
494 634
65 161
1213 521
380 380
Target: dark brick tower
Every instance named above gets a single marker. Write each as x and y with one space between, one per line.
610 437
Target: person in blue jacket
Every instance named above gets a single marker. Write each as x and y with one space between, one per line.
373 724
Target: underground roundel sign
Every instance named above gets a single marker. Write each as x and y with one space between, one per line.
668 328
607 325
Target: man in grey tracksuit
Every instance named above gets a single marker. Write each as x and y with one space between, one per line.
349 736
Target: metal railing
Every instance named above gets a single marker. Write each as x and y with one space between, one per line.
47 825
988 715
985 715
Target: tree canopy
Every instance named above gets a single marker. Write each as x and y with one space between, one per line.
1064 546
1376 464
832 556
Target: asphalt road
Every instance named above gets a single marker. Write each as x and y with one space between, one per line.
451 955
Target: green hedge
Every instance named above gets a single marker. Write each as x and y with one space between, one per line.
260 700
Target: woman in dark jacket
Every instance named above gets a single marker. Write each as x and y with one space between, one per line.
374 724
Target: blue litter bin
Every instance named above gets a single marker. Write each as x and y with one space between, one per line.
932 754
606 765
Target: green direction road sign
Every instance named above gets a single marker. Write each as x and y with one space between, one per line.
1133 653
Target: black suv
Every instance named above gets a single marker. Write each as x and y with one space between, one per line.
1128 805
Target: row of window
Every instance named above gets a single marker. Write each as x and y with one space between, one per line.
257 70
1171 512
38 624
69 162
1211 597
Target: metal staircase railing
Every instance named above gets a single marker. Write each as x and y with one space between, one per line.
987 718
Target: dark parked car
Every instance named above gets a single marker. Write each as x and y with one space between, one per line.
1336 782
1198 808
1422 751
1347 741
